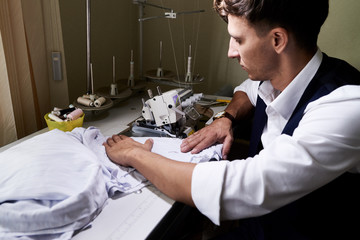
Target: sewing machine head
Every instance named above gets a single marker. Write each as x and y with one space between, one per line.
163 114
163 109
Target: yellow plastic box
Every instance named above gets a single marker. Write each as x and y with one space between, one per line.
66 125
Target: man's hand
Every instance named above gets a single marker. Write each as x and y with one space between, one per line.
120 149
220 131
171 177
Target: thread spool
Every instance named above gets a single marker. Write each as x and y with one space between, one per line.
100 101
55 118
56 113
131 80
159 72
85 101
114 90
189 77
65 111
74 114
86 96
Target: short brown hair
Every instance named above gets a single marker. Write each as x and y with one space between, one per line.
303 18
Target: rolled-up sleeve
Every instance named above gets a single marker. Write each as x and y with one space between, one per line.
250 87
206 188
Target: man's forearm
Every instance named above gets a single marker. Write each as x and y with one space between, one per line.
171 177
240 106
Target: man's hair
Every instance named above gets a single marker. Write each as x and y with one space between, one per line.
303 18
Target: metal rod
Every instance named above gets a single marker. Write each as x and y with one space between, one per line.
88 51
191 12
160 64
159 90
141 15
150 93
92 79
114 77
149 18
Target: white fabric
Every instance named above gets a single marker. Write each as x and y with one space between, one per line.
49 184
170 147
117 178
288 167
56 182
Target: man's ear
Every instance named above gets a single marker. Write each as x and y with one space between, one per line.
280 38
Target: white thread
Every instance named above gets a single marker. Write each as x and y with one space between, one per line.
100 101
55 118
114 89
85 101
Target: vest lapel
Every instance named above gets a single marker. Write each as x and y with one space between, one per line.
258 125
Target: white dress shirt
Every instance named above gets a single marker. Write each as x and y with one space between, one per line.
324 145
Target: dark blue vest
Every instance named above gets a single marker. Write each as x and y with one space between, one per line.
329 211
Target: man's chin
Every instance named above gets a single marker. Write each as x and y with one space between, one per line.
252 78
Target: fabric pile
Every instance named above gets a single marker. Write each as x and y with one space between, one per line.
56 183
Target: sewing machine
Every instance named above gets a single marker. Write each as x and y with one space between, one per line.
166 113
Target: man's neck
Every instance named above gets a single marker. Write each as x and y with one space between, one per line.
291 64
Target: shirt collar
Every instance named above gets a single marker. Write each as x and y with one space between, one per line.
286 102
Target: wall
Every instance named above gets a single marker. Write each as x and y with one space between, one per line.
340 35
115 32
7 119
35 37
54 43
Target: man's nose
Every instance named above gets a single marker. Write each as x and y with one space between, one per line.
232 52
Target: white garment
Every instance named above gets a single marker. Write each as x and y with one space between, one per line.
56 182
289 166
170 148
50 184
118 179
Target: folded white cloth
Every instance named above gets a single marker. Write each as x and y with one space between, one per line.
56 183
50 184
119 179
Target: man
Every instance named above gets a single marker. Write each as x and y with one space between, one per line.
301 180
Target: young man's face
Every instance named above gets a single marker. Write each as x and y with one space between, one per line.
255 53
